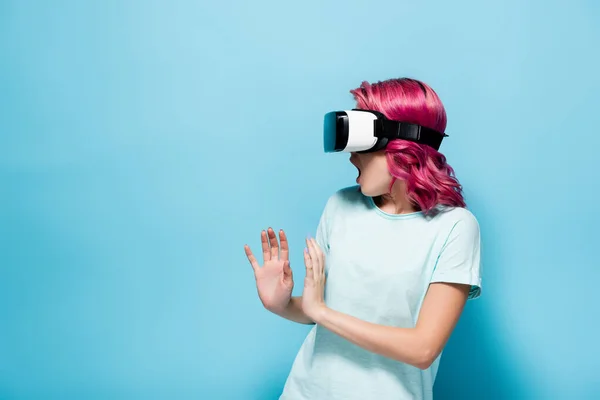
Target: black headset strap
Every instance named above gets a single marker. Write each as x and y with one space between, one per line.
411 132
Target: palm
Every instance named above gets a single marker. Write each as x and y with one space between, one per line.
274 287
274 280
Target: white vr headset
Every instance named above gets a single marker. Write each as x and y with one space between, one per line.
364 131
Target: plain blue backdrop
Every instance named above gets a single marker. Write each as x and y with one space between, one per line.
142 144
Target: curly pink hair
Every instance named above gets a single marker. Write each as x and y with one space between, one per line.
430 181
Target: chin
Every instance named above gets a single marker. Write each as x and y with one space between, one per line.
373 187
369 191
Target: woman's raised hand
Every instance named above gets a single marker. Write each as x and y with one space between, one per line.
274 280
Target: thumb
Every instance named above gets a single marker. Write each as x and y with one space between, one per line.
287 271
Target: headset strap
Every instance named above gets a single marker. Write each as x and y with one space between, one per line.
412 132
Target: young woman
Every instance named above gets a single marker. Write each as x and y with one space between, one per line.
401 255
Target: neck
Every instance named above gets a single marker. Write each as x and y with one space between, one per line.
395 204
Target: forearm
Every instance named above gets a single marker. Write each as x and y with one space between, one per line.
406 345
293 311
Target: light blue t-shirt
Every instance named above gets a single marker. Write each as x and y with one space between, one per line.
378 269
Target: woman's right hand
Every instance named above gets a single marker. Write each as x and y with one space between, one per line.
274 280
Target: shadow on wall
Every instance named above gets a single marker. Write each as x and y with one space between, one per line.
274 377
474 364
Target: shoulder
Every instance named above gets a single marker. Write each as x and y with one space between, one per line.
458 220
344 198
349 193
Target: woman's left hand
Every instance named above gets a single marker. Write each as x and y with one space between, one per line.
313 302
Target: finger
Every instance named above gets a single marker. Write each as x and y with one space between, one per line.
251 258
265 246
313 257
285 251
320 254
319 269
274 244
308 264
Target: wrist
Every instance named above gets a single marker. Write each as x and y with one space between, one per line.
319 313
281 308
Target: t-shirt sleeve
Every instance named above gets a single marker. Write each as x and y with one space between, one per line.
459 260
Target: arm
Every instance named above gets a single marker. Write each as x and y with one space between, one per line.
418 346
293 312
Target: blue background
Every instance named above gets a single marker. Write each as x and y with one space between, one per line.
143 143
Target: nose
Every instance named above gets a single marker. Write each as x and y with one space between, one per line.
354 160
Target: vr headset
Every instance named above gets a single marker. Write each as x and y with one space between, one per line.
365 131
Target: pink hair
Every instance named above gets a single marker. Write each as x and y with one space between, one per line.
430 181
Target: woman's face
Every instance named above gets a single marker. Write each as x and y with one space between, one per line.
374 177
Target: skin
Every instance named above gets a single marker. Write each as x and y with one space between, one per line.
418 346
